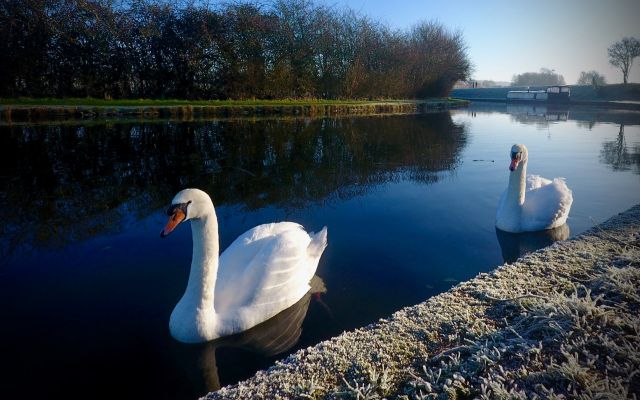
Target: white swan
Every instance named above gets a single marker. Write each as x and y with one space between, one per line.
540 204
264 271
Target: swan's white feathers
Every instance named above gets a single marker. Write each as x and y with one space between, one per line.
546 206
264 267
536 181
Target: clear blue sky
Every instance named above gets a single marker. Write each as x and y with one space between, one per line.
512 37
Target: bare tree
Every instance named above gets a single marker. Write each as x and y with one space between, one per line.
441 59
622 53
593 78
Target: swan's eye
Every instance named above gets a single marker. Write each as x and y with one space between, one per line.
515 155
182 207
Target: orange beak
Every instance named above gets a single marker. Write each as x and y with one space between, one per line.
514 164
175 218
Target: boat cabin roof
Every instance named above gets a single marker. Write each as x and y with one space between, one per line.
548 89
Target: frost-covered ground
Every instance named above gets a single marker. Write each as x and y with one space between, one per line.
563 322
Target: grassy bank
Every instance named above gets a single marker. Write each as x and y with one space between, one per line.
89 101
559 323
24 109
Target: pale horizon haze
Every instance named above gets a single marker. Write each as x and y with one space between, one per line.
505 38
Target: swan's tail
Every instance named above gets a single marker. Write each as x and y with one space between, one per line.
318 243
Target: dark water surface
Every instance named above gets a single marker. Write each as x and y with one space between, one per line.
87 285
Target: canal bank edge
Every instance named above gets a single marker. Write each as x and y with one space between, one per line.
561 321
20 113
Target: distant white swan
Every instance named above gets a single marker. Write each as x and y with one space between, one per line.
537 205
264 271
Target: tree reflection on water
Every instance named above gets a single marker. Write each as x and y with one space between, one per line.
619 155
66 183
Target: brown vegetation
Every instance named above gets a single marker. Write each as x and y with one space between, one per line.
58 112
185 49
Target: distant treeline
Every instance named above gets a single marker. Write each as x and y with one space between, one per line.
160 49
546 77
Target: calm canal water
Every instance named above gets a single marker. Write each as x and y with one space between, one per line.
87 285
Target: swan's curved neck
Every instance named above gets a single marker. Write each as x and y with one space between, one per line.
194 318
516 188
204 263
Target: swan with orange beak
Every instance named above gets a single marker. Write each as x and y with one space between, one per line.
263 272
531 203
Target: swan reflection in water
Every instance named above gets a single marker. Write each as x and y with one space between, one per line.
516 245
272 337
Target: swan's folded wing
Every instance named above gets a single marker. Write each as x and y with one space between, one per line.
547 206
536 181
266 265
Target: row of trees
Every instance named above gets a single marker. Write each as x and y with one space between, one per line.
545 77
621 55
548 77
592 77
160 49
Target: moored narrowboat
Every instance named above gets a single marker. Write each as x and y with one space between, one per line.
556 94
